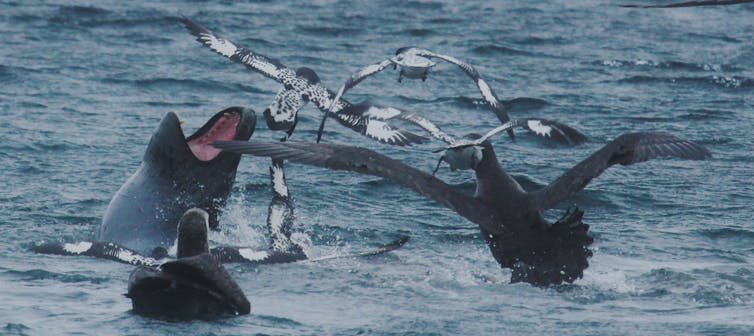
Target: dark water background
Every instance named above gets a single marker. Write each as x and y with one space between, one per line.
83 84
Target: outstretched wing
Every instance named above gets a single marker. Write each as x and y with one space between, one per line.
553 130
372 113
627 149
488 94
365 161
544 128
351 82
269 67
280 212
97 249
365 72
356 117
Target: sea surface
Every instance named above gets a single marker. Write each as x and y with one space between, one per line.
84 83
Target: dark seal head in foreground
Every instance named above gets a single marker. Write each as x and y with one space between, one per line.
196 286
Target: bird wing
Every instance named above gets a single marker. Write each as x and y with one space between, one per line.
280 212
365 72
488 94
269 67
372 113
552 130
544 128
98 249
356 118
627 149
365 161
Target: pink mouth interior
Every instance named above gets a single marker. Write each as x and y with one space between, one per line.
223 129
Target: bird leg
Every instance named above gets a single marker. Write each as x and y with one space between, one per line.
439 162
289 132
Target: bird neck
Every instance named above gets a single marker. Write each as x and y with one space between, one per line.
492 179
192 244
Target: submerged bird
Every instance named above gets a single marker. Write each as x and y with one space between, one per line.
510 218
194 286
416 63
299 87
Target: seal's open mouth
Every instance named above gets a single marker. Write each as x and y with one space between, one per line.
222 126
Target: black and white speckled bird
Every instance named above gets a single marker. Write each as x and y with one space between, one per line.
509 217
543 128
299 87
415 63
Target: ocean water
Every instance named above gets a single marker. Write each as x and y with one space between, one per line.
84 83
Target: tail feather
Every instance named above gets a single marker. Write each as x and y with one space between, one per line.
559 254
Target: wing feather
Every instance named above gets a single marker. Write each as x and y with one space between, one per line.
269 67
365 161
627 149
488 94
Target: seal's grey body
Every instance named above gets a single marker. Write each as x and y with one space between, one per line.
176 174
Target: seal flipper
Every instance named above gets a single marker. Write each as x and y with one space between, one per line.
98 249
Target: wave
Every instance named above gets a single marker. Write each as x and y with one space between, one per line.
673 65
40 274
417 32
534 40
424 5
498 50
443 20
526 103
177 83
329 31
727 233
16 329
6 73
89 16
82 11
727 82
